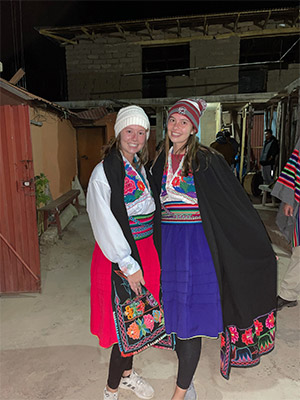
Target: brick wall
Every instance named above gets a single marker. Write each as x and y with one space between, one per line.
95 70
281 78
203 82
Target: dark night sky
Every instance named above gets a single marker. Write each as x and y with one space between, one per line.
43 59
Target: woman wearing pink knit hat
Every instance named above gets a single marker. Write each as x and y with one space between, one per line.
125 219
218 266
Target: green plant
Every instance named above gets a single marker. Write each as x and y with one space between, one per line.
41 182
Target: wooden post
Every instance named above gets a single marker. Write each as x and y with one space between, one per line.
250 125
243 140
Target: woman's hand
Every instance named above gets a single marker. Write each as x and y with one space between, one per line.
135 280
288 210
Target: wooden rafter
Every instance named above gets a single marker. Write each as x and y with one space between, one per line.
267 19
296 19
263 23
236 22
178 28
231 28
149 29
205 27
17 76
88 34
201 23
61 39
121 30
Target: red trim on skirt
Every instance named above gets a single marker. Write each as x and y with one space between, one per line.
102 321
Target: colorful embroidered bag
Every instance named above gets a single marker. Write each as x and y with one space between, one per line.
139 322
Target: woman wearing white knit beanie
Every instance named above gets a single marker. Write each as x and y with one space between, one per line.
122 211
132 115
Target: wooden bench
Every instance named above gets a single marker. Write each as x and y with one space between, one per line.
57 205
265 190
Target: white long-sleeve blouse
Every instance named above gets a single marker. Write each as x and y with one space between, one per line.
106 229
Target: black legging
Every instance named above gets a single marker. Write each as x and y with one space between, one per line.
188 353
117 366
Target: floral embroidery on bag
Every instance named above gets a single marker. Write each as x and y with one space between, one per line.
138 319
142 326
157 316
149 322
133 331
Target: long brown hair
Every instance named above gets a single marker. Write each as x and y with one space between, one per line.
115 143
192 148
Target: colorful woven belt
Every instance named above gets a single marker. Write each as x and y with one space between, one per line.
141 226
174 212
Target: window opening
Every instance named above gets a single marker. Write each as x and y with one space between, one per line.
159 59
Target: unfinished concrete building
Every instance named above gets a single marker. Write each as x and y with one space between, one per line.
244 64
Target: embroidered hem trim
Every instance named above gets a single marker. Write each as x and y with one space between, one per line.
243 347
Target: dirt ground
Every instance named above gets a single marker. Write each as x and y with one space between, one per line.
49 353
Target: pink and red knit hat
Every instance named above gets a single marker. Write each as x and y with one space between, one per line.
192 109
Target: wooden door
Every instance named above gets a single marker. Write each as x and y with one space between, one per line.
90 143
257 136
19 247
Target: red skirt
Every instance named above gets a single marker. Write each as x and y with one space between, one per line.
102 320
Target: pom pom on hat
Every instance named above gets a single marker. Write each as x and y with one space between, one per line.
192 109
132 115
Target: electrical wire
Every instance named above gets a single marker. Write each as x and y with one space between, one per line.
289 49
214 66
14 38
22 46
17 38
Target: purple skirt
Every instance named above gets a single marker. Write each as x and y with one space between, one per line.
191 297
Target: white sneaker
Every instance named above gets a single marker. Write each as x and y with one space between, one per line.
109 395
138 385
191 393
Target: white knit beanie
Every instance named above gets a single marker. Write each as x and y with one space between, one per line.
132 115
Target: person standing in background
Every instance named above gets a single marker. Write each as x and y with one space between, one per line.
268 156
287 189
223 146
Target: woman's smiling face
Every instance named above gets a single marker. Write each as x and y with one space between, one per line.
179 130
132 140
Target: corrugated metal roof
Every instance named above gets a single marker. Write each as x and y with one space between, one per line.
27 96
89 114
93 113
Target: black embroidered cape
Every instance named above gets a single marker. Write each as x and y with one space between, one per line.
244 261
